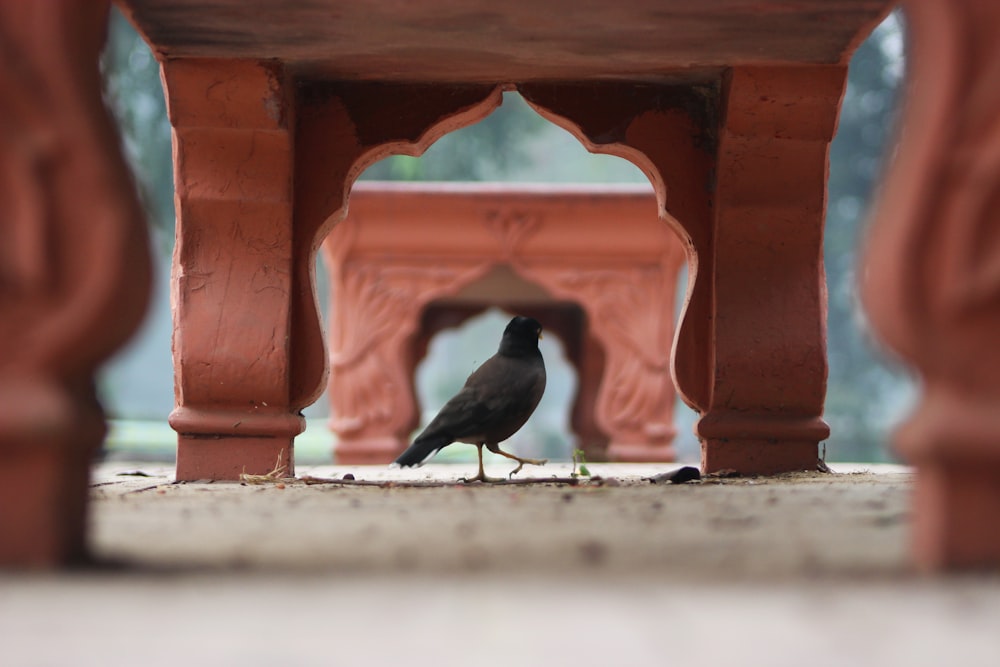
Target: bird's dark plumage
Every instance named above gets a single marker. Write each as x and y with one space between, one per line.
495 402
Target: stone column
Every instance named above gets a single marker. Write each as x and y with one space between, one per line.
74 271
767 323
931 281
233 267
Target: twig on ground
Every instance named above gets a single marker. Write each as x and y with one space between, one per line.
394 483
143 489
277 473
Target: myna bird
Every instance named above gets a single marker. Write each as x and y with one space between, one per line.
495 402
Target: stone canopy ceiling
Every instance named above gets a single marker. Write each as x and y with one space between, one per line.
513 40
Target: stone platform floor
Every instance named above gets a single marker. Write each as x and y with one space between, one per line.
800 569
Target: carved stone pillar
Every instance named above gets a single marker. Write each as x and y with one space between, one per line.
263 165
233 267
768 323
74 271
931 281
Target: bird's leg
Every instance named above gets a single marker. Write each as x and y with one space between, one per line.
520 461
481 477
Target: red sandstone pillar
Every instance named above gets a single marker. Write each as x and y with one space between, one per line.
930 278
233 267
768 317
74 271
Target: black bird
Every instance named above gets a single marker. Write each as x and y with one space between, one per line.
495 402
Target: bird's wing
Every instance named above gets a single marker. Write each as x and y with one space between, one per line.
460 416
496 391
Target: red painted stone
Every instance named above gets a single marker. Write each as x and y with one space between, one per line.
234 151
275 113
931 283
262 167
74 271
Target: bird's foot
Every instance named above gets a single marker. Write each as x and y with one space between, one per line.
481 477
521 462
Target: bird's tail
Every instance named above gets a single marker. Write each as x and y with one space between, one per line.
422 449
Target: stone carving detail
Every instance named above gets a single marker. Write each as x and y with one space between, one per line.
745 183
380 291
512 227
629 313
379 311
932 271
377 306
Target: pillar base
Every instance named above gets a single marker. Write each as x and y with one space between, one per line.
369 451
759 457
641 453
43 507
955 510
222 444
226 458
951 440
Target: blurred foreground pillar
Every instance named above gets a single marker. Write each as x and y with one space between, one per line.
74 271
932 278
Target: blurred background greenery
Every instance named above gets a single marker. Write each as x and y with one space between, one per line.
866 393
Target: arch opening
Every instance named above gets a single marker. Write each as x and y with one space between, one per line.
458 336
552 156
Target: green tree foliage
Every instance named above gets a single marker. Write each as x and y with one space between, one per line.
132 91
489 150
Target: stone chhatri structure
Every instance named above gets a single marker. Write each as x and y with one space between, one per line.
410 257
275 113
728 107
